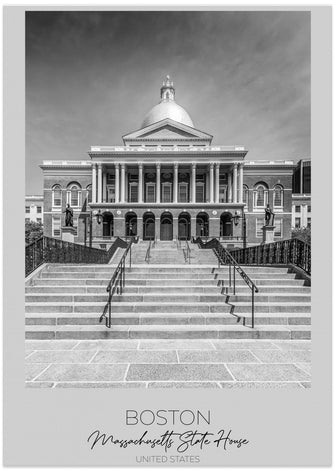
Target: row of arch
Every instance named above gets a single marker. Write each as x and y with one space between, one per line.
73 190
166 225
261 195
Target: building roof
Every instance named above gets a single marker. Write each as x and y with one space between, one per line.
167 108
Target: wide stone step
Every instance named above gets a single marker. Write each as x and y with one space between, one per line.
280 332
158 275
171 319
159 282
171 289
159 297
147 267
172 307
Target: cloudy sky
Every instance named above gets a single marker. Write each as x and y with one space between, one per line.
244 77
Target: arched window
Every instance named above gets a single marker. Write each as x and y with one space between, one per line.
56 196
74 195
89 193
278 196
261 195
246 195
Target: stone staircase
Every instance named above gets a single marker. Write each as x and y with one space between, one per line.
182 301
171 252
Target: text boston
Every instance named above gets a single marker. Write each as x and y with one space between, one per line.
169 417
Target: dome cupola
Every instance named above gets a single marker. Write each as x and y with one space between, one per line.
167 108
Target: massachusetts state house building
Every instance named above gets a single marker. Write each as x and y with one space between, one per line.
166 181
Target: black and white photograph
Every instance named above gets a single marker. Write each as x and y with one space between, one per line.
168 204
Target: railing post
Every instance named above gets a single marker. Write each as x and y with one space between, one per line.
252 307
130 256
234 281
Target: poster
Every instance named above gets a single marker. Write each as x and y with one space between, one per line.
165 314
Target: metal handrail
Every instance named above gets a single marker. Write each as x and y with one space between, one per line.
291 251
187 252
54 250
225 258
116 284
147 255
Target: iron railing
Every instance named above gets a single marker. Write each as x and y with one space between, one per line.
116 284
148 253
187 252
225 258
152 244
53 250
293 251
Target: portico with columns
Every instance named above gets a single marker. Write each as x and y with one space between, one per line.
168 167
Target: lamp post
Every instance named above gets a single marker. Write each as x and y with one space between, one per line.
236 218
99 218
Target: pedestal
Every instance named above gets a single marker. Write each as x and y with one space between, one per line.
68 234
268 233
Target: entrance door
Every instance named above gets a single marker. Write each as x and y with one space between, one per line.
184 227
149 229
107 227
166 228
226 226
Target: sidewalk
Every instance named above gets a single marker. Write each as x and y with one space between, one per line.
168 363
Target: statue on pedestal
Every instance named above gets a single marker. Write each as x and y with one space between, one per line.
268 214
68 216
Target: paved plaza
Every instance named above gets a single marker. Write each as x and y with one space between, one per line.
168 364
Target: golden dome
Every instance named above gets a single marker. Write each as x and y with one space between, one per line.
167 108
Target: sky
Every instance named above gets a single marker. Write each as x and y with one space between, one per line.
244 77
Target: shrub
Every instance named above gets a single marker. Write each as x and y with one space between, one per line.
303 234
33 231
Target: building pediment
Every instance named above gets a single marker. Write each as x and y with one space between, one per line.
167 130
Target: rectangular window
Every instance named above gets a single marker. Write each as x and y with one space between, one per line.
150 192
297 208
309 208
166 192
56 198
297 222
74 198
27 219
111 193
223 193
39 209
278 197
309 222
259 225
278 228
39 220
200 192
261 197
133 192
56 225
183 192
27 210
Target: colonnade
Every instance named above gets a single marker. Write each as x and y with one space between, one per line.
235 182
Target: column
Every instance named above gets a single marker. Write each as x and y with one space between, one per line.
230 192
175 183
94 183
241 183
104 186
123 182
194 179
235 184
158 183
211 182
217 183
117 183
99 182
140 182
